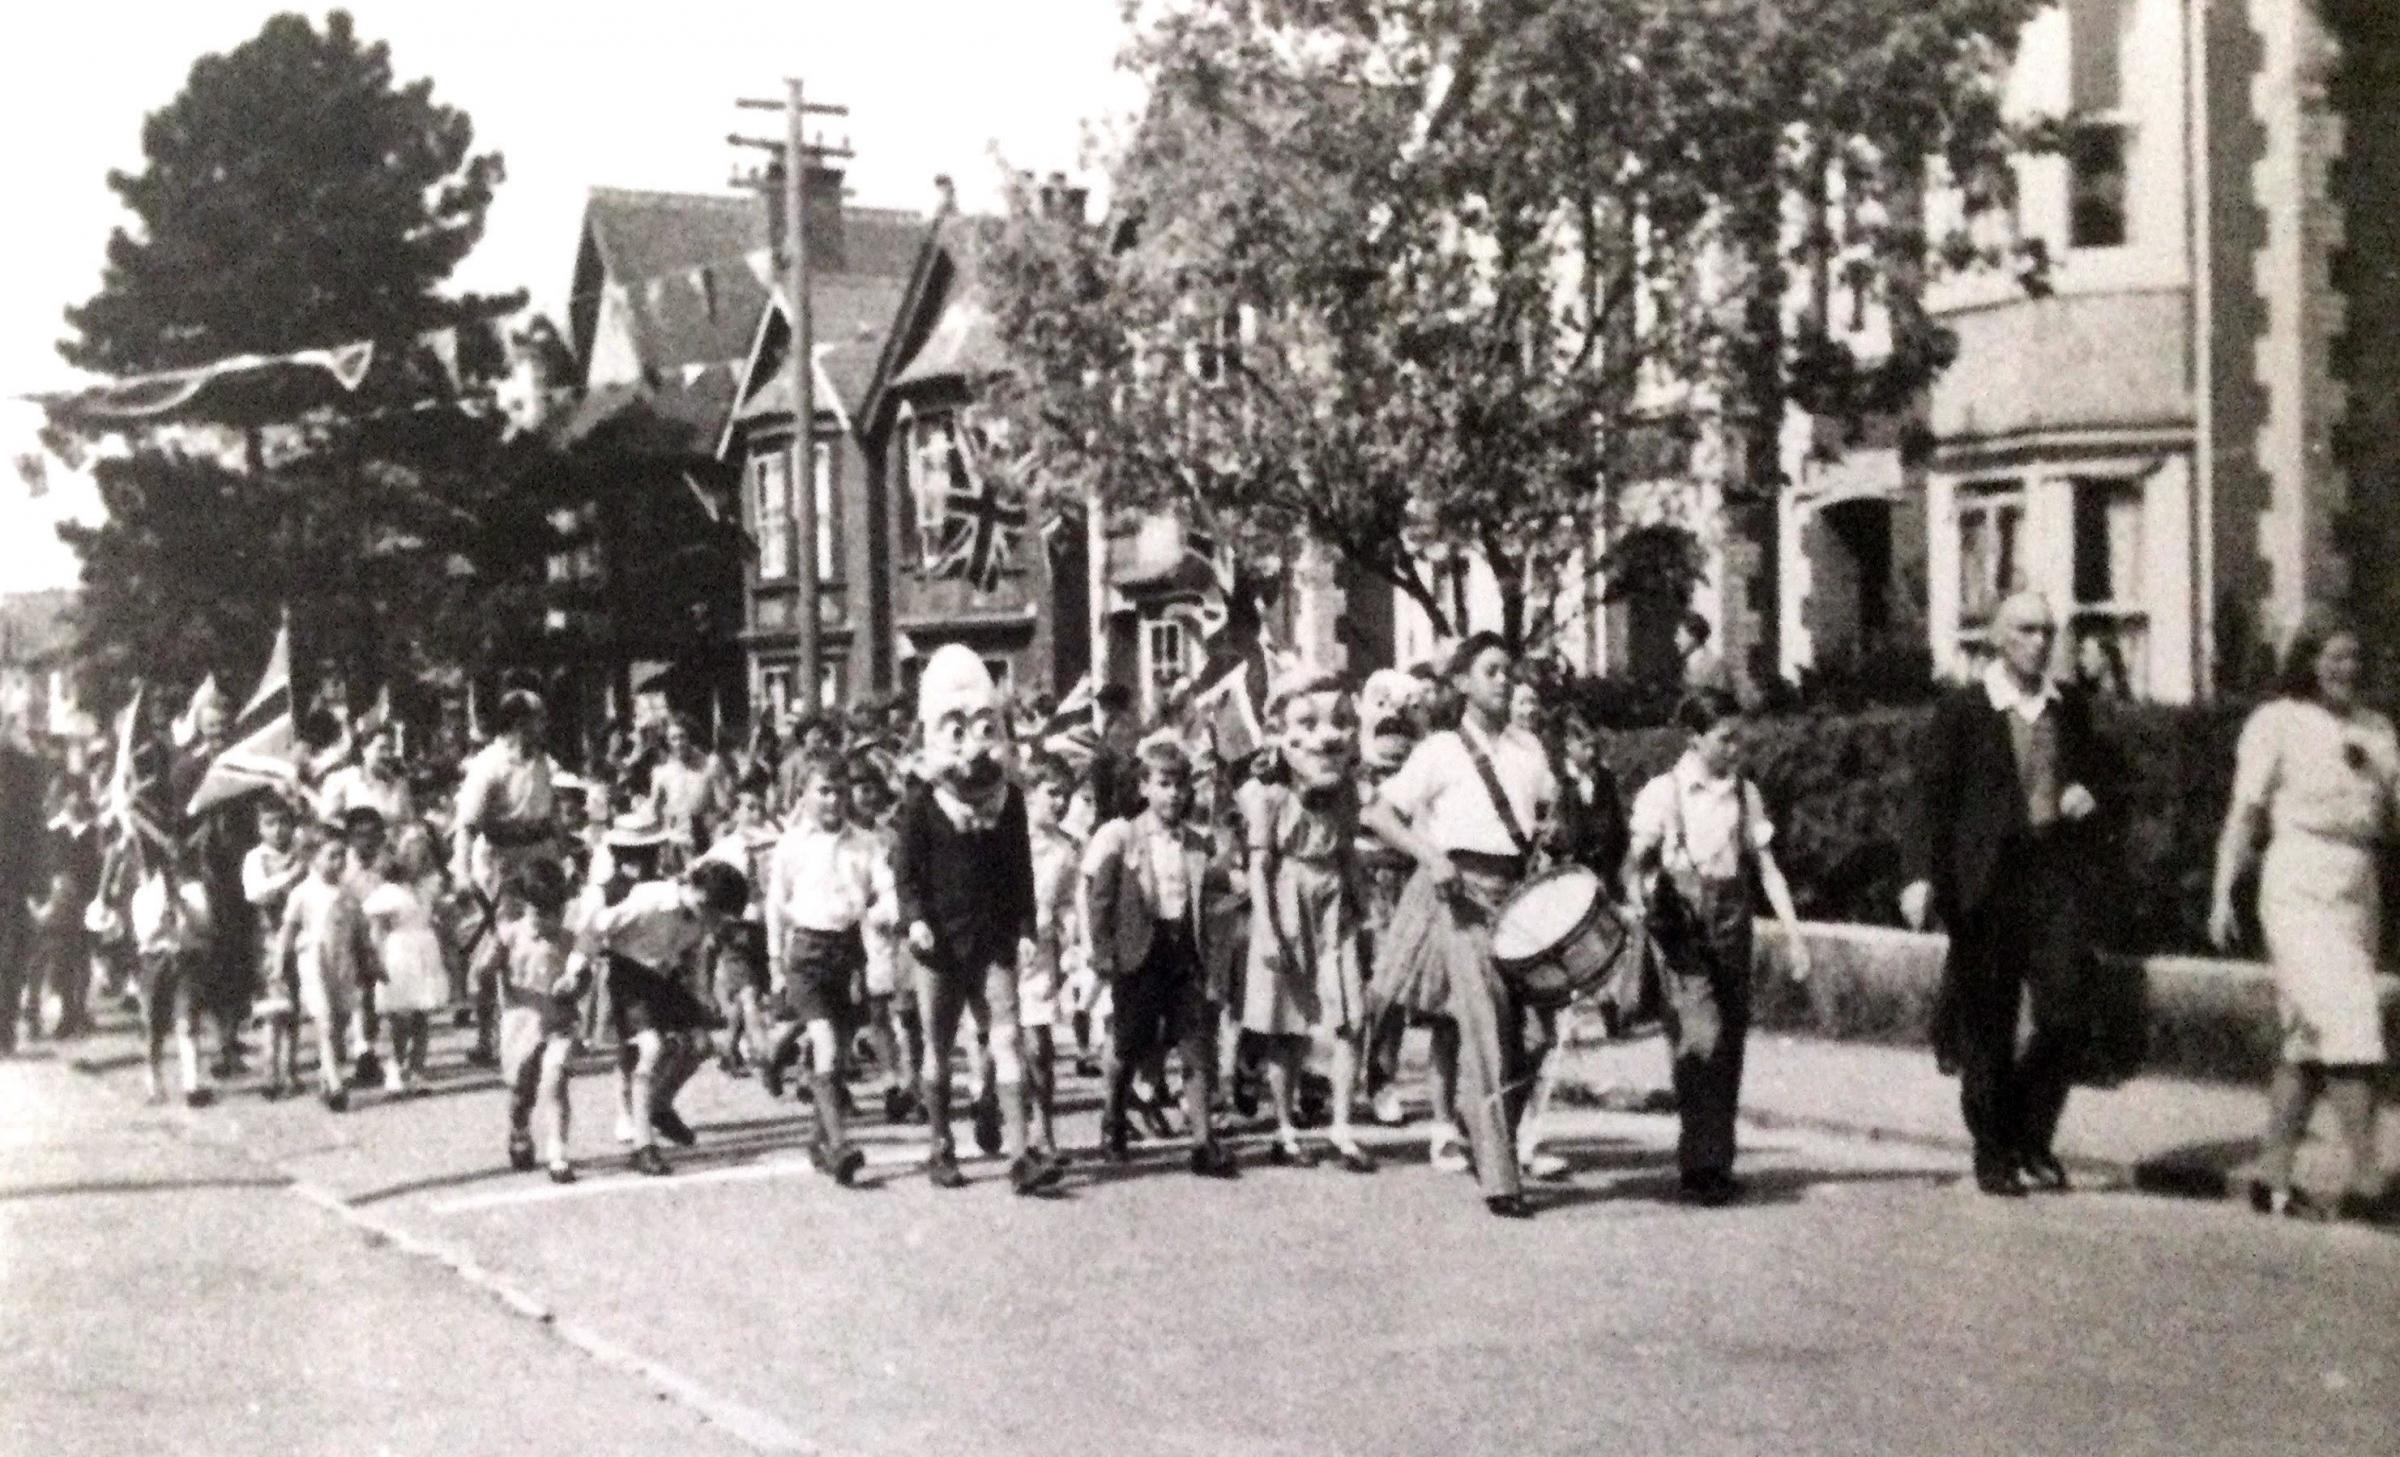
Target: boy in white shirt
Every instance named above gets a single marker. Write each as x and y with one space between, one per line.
269 871
821 883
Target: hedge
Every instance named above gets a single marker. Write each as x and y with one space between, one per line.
1839 786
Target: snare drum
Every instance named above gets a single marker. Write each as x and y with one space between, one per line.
1558 938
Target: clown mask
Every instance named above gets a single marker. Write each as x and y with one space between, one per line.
964 723
1316 732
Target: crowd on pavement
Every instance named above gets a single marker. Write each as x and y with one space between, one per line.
904 910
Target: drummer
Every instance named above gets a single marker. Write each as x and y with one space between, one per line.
1472 806
1700 835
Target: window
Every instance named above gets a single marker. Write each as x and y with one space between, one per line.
829 521
2108 622
1991 521
2096 142
776 682
771 510
934 469
2096 185
1165 651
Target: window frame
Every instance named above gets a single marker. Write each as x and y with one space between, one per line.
771 519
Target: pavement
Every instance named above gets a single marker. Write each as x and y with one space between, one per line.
313 1282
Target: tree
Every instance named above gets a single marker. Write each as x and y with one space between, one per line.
292 196
1430 284
295 196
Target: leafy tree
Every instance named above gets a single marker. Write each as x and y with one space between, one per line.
291 196
294 195
1430 283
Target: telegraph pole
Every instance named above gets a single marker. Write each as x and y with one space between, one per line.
799 157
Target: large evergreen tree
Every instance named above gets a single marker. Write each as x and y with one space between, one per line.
293 195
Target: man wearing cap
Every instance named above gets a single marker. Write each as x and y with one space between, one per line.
505 820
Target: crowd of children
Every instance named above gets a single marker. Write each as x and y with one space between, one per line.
837 913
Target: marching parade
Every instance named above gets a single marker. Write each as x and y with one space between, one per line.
1500 726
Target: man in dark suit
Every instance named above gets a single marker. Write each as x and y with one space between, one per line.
2002 849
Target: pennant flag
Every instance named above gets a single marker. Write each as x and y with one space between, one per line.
444 344
187 723
129 805
264 748
761 263
977 525
693 373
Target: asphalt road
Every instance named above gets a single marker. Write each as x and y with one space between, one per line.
166 1291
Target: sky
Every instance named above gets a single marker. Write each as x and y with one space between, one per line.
574 95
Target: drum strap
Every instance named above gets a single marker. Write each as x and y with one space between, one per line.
1491 785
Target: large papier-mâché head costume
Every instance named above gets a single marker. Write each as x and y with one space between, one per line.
1314 724
965 725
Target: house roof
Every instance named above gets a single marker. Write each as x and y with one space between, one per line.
945 328
849 321
691 268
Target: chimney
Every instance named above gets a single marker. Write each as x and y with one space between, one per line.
821 213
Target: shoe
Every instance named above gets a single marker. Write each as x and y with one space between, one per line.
337 1100
1537 1164
895 1105
274 1091
770 1076
672 1128
625 1128
562 1173
1087 1067
1353 1158
463 1017
481 1056
367 1071
2356 1206
1447 1154
1155 1123
1291 1155
844 1163
1213 1161
2000 1181
648 1160
1387 1108
520 1153
942 1172
986 1111
1030 1173
199 1097
1509 1206
1115 1147
1245 1096
2042 1170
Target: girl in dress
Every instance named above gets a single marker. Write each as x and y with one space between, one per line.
2317 777
1303 974
416 975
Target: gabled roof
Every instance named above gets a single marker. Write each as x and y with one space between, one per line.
944 329
651 243
848 321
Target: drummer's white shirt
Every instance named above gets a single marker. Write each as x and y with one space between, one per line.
1712 817
1444 799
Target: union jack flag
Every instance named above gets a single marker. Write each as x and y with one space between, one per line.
133 806
979 526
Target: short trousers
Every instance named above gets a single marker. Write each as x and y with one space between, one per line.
822 968
642 1000
741 961
1163 1002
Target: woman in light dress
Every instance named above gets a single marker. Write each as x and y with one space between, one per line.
2314 779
